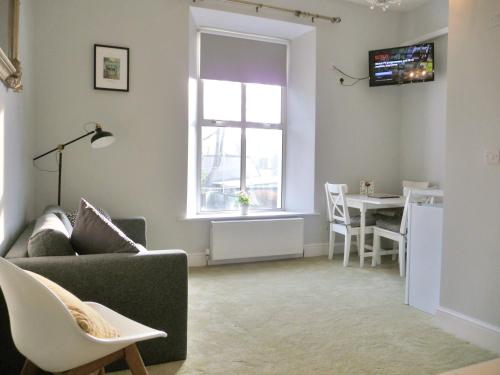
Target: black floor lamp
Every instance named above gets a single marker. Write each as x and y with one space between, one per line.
100 139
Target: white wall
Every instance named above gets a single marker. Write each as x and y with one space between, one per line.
423 123
301 124
423 105
16 142
424 20
471 258
144 172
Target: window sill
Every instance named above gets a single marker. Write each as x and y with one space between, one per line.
251 215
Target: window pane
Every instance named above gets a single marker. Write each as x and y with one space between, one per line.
263 103
220 168
264 161
221 100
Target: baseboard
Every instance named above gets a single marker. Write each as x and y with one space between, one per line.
310 250
253 259
315 250
197 259
477 332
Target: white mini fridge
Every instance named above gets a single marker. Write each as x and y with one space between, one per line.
423 278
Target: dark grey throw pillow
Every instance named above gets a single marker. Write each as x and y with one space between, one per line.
95 234
73 214
49 238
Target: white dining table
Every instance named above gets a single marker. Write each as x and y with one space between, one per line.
364 203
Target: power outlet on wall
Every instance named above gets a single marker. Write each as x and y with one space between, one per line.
492 157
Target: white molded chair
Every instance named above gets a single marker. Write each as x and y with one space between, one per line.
395 233
45 332
340 221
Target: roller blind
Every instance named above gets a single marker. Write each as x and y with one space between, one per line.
227 58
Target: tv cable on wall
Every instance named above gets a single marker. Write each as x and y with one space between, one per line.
354 80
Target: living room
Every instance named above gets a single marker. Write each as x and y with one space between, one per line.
205 132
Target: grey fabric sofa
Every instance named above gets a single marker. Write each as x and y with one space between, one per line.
150 287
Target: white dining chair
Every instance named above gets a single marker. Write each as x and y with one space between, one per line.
341 222
45 332
395 230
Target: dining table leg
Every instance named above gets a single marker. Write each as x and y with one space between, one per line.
362 236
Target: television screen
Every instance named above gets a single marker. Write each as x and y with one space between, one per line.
400 65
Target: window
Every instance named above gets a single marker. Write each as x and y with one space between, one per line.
241 143
242 86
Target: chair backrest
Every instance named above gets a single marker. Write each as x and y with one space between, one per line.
416 184
404 219
40 323
337 203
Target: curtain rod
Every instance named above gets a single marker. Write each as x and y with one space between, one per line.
295 12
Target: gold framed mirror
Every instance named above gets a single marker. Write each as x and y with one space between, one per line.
10 66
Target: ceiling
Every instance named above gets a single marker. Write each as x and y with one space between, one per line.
406 5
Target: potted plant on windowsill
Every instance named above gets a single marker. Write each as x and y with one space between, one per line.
244 200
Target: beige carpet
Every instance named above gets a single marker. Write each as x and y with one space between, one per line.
311 316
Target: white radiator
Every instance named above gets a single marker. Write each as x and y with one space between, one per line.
250 239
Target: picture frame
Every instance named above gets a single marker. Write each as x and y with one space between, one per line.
111 68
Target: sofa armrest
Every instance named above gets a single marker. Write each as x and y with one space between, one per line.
133 227
149 287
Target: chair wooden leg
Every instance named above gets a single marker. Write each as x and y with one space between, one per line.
134 360
29 368
347 248
331 245
97 365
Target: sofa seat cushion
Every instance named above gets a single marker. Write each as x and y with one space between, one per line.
49 238
88 319
93 233
389 223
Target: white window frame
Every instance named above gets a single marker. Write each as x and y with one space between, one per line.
243 125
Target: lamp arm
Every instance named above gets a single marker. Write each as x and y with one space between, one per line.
62 146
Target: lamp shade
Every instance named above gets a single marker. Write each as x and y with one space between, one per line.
101 138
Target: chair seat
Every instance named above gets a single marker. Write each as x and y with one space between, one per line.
356 221
392 224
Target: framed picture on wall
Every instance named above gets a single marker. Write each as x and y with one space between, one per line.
111 68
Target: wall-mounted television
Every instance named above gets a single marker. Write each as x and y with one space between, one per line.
400 65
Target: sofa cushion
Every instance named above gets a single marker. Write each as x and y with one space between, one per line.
49 238
73 214
95 234
88 319
59 212
392 224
